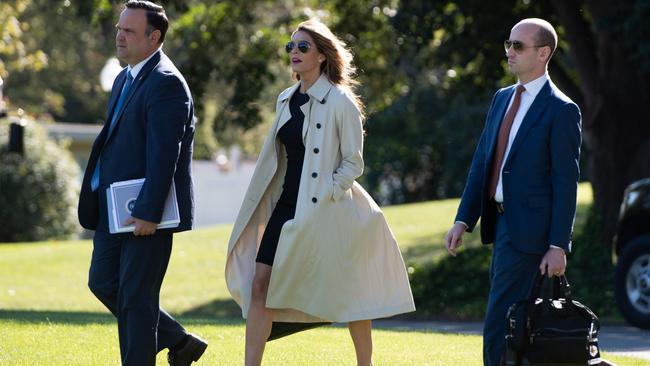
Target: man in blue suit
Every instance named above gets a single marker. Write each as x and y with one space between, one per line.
523 179
149 134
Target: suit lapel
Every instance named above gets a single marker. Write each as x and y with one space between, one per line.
115 96
144 72
498 114
531 117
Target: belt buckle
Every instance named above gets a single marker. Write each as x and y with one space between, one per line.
499 206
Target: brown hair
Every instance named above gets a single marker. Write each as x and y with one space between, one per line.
338 65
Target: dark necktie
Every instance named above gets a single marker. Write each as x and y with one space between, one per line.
502 140
94 181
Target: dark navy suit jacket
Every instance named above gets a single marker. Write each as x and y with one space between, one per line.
540 174
152 139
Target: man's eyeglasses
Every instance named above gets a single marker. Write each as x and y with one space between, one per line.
518 46
303 46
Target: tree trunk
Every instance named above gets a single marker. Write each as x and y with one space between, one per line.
616 126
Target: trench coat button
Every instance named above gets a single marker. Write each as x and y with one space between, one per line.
316 150
318 125
314 199
314 175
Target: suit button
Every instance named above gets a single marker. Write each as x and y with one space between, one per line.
314 175
318 125
316 150
314 199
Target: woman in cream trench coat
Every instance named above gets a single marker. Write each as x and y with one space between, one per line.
337 260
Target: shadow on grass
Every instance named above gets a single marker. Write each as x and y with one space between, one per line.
218 311
215 309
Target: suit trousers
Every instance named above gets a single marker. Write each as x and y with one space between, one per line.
511 275
126 273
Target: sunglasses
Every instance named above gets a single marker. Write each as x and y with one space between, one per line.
518 46
303 46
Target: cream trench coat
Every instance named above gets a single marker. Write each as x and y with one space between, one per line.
337 260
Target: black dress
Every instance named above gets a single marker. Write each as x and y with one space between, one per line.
291 136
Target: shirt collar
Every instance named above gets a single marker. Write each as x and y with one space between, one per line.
135 70
534 86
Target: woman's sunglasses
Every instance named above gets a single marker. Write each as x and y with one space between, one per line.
303 46
518 46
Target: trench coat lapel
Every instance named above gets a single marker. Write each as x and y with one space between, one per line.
284 113
317 93
306 111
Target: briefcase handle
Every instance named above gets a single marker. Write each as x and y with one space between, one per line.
558 288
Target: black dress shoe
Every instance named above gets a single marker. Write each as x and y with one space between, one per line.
190 352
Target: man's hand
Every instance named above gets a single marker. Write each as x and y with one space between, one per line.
553 263
142 227
454 238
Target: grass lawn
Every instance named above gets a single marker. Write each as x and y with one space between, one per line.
49 317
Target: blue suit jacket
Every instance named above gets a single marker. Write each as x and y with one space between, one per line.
540 174
152 138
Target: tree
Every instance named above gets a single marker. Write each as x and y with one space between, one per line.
17 51
610 46
63 54
451 55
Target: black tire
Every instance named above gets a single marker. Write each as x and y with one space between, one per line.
635 254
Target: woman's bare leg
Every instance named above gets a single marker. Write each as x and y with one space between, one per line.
361 332
259 319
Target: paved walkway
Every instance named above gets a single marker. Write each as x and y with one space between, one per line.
623 340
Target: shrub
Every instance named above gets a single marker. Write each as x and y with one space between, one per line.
205 144
453 287
457 288
590 270
38 190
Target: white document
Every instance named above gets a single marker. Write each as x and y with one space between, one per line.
121 197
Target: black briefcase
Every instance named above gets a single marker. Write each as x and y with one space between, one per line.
550 328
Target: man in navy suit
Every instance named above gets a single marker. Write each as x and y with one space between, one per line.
523 179
149 134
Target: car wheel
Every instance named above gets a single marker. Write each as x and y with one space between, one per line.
632 282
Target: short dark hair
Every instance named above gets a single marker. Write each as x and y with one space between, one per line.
547 37
156 17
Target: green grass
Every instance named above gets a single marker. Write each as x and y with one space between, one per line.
94 342
49 317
